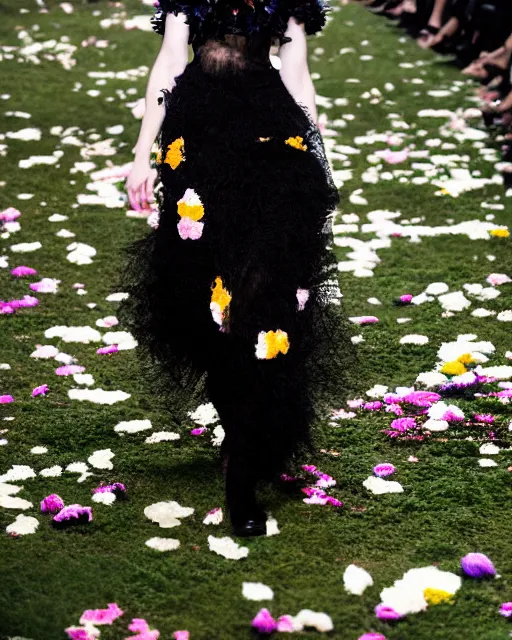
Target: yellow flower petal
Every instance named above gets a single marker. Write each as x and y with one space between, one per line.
437 596
500 233
220 295
159 156
296 143
174 155
466 358
454 368
277 342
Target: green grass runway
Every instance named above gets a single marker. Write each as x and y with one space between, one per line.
449 507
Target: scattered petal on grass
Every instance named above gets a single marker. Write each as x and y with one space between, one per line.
379 486
356 580
163 544
204 414
313 619
104 498
256 591
372 636
98 396
162 436
227 548
506 610
133 426
167 514
414 338
8 502
487 462
83 633
214 516
23 525
101 459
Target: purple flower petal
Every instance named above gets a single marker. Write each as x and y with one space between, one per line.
52 504
116 487
372 636
263 622
506 609
42 390
198 431
477 565
6 399
74 514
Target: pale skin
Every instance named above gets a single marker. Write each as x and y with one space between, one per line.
170 63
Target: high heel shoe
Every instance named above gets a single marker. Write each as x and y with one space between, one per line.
248 518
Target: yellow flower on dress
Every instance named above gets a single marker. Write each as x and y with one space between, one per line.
174 155
296 143
437 596
271 343
190 206
159 156
500 233
453 368
220 301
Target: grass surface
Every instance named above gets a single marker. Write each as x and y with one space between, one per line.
450 506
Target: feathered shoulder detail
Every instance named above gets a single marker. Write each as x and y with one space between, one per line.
210 18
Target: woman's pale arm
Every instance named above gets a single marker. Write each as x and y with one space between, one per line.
294 68
169 64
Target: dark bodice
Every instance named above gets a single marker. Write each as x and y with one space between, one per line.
257 20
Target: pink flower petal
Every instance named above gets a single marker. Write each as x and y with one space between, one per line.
101 616
82 633
386 613
69 370
263 622
181 635
190 229
285 624
6 399
21 272
112 348
384 469
198 432
9 215
52 504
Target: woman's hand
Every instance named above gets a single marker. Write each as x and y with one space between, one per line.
140 184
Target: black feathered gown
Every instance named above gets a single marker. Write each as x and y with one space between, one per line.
234 296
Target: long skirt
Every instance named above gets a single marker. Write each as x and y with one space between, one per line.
234 297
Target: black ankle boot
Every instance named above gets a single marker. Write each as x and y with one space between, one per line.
248 518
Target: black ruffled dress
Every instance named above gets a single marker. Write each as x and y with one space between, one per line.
234 296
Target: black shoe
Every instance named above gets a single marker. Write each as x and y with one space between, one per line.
249 525
248 518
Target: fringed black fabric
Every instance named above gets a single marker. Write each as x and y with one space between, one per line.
245 224
216 18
